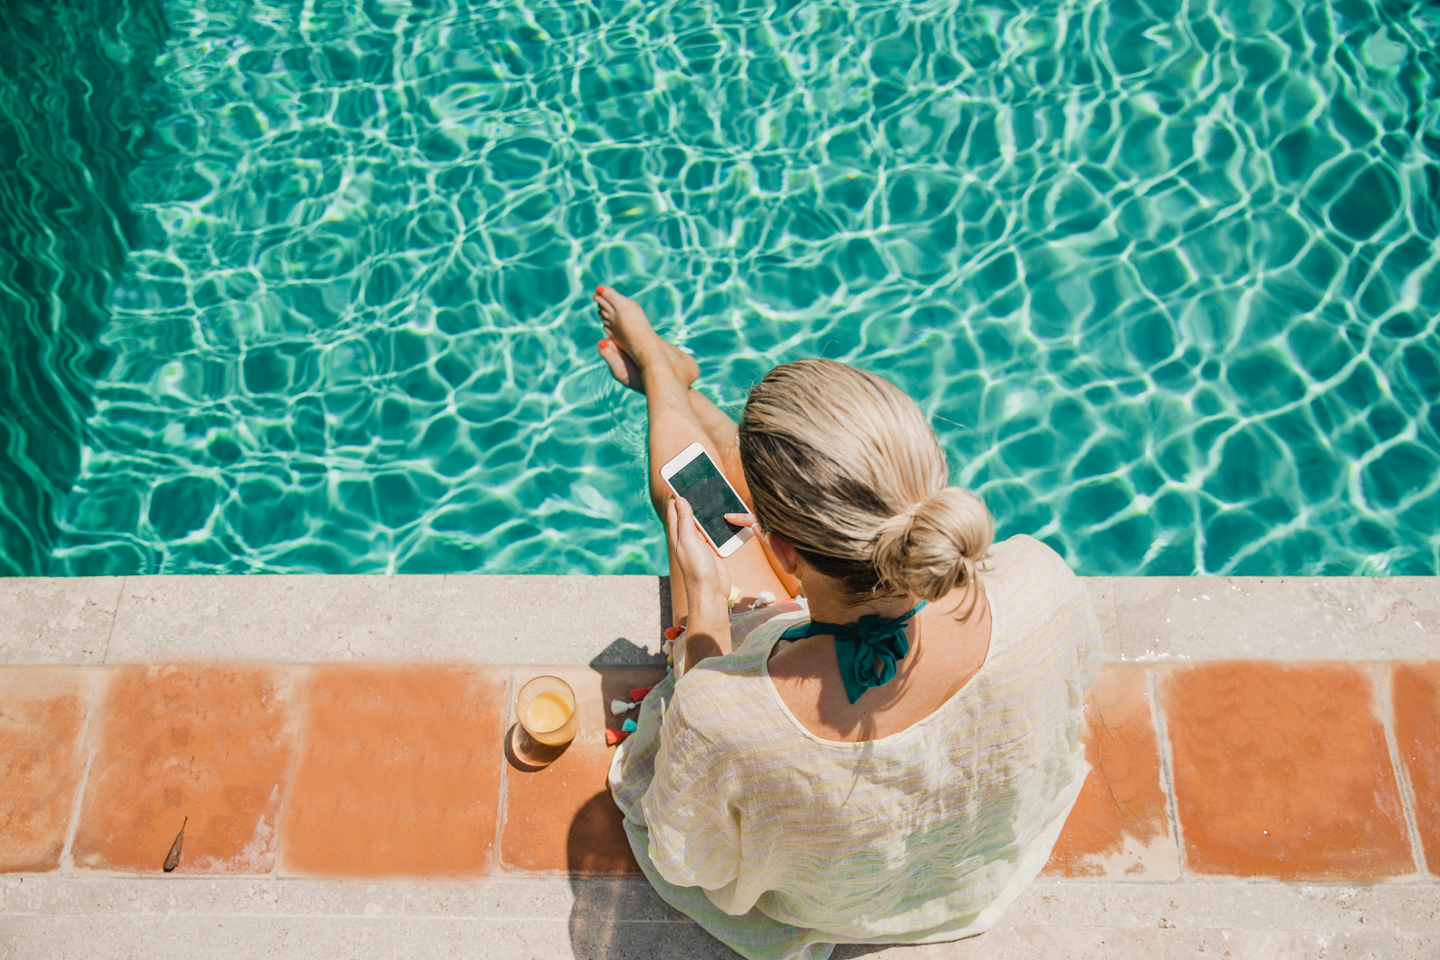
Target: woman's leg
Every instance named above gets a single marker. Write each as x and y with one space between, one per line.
717 425
722 432
665 378
726 437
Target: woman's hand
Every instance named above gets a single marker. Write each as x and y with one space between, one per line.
707 588
700 566
745 520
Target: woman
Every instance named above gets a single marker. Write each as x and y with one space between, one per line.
888 759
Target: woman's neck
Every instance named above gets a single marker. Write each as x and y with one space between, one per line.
830 604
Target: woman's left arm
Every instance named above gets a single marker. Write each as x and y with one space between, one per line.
707 588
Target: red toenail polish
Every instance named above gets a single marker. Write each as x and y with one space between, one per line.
602 343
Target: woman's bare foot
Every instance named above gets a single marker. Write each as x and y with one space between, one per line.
632 344
622 368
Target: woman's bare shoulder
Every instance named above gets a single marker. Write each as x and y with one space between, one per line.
794 659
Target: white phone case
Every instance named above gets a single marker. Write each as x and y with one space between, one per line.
674 466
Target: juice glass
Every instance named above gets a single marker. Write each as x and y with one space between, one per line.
546 710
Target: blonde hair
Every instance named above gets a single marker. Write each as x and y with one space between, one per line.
845 468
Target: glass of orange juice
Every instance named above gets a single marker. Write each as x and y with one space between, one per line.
546 709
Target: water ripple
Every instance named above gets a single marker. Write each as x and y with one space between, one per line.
1165 275
72 81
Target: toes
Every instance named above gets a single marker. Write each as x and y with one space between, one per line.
611 296
611 353
622 368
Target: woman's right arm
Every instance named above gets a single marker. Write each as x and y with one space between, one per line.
707 633
707 589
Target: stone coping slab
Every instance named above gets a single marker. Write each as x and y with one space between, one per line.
616 620
43 916
318 619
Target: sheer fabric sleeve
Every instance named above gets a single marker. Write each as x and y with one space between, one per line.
692 806
754 627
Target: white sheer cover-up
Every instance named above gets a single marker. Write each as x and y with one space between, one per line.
781 844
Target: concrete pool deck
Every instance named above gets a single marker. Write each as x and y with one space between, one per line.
1266 780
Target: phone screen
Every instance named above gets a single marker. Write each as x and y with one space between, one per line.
710 497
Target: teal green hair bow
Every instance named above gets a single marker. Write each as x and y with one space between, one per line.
861 646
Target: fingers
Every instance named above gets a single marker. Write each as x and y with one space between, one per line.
685 512
680 522
687 528
744 520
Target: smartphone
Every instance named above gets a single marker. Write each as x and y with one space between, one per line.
694 476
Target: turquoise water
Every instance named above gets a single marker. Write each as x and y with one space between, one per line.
1164 275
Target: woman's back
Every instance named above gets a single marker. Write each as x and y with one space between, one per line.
948 641
923 834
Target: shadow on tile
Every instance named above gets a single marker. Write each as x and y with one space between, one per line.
528 755
560 819
602 918
623 653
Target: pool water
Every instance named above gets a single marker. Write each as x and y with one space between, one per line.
1164 275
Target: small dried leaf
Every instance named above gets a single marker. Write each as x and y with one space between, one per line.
172 860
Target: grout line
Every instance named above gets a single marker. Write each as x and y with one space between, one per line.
500 805
99 688
471 883
1167 770
299 676
1384 705
114 616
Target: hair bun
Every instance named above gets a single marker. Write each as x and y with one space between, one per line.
932 546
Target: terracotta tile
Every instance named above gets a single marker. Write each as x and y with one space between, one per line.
212 743
399 774
42 758
1283 772
561 819
1119 826
1415 693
